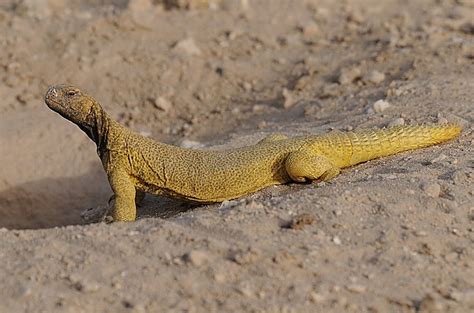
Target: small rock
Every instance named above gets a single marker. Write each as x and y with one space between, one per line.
246 290
288 97
380 105
336 240
301 220
430 304
396 122
81 284
329 91
356 288
317 297
420 233
375 77
348 75
258 108
139 5
451 257
247 86
431 189
25 291
186 143
355 17
220 277
248 256
467 28
465 296
439 158
310 29
188 47
442 120
161 103
196 257
228 204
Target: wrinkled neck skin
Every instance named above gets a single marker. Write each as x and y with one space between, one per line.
97 128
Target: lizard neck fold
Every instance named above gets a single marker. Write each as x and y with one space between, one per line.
97 128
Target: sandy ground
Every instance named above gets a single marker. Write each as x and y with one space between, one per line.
391 235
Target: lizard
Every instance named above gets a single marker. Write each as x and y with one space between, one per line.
135 164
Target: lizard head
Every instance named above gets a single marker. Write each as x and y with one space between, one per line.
78 107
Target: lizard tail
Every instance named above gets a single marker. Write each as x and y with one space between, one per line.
371 144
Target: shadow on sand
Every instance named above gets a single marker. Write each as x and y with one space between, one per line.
53 202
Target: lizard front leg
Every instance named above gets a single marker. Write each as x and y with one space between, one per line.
123 208
303 165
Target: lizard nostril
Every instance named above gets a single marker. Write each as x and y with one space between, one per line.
52 92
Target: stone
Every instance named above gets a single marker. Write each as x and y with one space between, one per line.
196 257
396 122
431 189
375 77
187 47
380 106
288 97
348 75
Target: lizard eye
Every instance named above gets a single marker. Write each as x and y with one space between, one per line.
71 92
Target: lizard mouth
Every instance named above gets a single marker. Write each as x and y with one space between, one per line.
51 98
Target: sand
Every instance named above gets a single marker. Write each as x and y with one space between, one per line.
390 235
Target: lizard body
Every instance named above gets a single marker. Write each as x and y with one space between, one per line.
136 163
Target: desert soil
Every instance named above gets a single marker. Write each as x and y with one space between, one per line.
390 235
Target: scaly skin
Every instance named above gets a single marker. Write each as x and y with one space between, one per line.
135 163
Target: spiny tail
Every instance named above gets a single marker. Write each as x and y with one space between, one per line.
371 144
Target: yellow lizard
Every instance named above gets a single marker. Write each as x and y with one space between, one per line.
136 164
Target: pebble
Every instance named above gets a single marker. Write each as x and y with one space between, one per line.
301 220
465 296
330 90
186 143
26 291
380 105
247 86
196 257
348 75
439 158
83 285
220 277
289 99
375 77
188 47
396 122
246 290
336 240
316 297
451 257
258 108
337 212
139 5
430 304
467 28
162 104
442 121
357 288
243 257
310 29
431 189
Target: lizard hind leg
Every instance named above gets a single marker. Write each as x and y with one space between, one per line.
303 166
